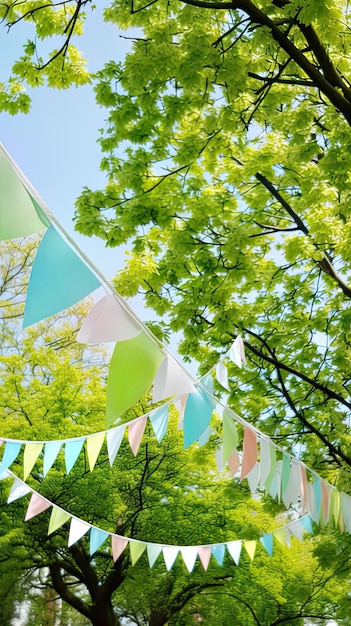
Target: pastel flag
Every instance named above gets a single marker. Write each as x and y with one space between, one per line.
207 382
292 492
170 554
180 404
281 535
72 450
118 545
18 217
249 452
234 549
135 433
189 554
272 467
153 550
114 439
37 505
267 542
133 366
107 321
275 487
346 510
318 494
230 435
325 488
97 538
218 552
306 522
51 450
222 375
197 416
335 505
219 457
94 445
234 462
31 453
77 530
11 451
237 352
57 518
204 553
285 472
159 421
136 550
312 504
265 460
59 279
253 478
205 436
171 380
18 490
304 489
250 547
296 529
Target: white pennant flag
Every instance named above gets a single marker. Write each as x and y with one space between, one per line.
18 490
77 530
171 380
237 352
189 554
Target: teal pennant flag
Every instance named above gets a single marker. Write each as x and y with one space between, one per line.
197 416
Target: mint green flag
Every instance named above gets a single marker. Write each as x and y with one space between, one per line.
59 278
230 435
18 212
133 366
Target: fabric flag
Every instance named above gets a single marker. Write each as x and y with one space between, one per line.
306 522
304 489
272 467
292 492
59 279
11 451
230 435
94 445
136 550
31 453
222 375
18 215
18 490
108 321
77 530
114 439
72 450
250 547
265 460
237 352
204 553
296 529
51 450
135 433
205 436
267 542
189 554
159 421
118 545
171 380
335 505
285 472
275 487
197 416
153 551
218 552
170 554
325 501
37 504
97 538
346 510
281 535
234 549
318 495
253 478
57 519
234 462
132 369
249 452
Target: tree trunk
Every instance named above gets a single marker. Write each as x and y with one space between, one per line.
102 614
158 619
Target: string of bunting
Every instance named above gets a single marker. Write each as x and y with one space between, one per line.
97 537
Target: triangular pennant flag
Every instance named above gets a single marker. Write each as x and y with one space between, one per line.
97 538
108 321
218 552
57 519
234 462
249 452
197 416
237 352
204 553
135 433
171 380
189 554
31 453
51 450
207 382
77 530
118 545
318 495
325 512
170 554
205 436
285 472
230 435
335 505
114 439
136 550
265 460
346 510
37 505
253 478
132 369
275 486
18 217
219 457
72 450
250 547
11 451
234 549
159 421
312 504
153 550
94 445
281 535
180 404
272 467
59 279
296 529
292 491
222 375
18 490
304 489
306 522
267 542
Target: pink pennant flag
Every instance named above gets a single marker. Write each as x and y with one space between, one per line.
234 462
118 544
204 553
325 500
249 452
135 433
304 489
37 504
